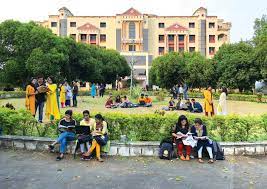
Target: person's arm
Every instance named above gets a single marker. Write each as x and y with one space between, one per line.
105 128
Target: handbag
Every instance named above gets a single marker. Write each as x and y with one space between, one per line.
85 138
101 140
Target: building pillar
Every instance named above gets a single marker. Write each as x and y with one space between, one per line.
147 70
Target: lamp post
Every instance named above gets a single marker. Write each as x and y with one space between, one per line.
132 64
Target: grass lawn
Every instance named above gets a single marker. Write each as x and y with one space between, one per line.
97 105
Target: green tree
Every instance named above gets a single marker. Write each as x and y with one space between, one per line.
236 66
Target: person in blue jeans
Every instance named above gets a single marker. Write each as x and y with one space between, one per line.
66 127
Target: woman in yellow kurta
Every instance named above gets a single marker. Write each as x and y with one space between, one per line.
208 103
52 110
30 97
63 95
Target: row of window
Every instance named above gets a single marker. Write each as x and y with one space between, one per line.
73 24
161 25
192 38
181 49
103 37
190 25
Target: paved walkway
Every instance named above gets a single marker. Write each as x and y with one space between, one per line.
21 170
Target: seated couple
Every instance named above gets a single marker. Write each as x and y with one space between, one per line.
144 101
187 106
199 132
99 133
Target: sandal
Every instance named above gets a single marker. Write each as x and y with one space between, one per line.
200 161
211 161
59 158
85 158
100 160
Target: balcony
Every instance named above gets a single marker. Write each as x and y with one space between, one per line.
171 42
131 41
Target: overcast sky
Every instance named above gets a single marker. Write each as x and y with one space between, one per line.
241 13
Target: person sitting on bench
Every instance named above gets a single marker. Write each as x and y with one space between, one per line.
87 121
148 101
142 100
109 103
196 106
67 128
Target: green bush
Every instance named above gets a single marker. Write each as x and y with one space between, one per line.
146 127
12 94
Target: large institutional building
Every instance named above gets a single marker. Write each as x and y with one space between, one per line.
142 37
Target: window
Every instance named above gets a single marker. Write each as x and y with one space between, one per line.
103 24
211 25
171 37
73 36
171 49
83 37
103 38
53 24
212 38
131 47
131 30
73 24
192 38
161 38
192 49
181 49
191 24
212 50
181 38
161 50
161 25
93 37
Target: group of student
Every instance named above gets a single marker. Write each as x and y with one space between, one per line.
89 142
124 102
191 106
198 132
67 93
179 91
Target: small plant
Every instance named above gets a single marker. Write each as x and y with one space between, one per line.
160 95
160 112
9 105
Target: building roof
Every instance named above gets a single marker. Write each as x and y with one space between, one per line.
88 27
132 12
176 27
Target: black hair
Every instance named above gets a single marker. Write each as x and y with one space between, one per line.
199 121
224 90
86 112
40 76
142 94
180 119
99 117
193 99
69 112
125 97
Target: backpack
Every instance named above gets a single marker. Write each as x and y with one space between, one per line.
218 153
166 149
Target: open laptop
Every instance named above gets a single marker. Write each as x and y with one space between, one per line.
80 129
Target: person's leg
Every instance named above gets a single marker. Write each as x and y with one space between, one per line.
199 152
82 147
87 145
41 111
63 145
209 149
180 147
93 146
97 151
188 152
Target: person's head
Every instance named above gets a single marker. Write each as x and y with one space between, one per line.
209 88
68 114
49 80
118 97
74 83
125 97
171 98
86 114
33 81
40 79
183 121
146 96
193 100
142 95
198 122
179 99
224 90
99 118
110 95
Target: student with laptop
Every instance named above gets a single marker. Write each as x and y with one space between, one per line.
67 128
89 122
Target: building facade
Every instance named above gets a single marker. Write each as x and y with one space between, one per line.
143 37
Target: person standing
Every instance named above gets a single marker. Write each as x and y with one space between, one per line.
185 91
222 106
30 97
208 102
52 110
181 91
63 94
75 91
40 97
102 89
93 90
69 95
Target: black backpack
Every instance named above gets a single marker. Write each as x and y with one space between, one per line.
218 153
166 149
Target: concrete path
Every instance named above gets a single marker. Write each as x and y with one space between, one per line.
36 170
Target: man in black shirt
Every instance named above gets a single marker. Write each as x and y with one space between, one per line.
75 93
40 97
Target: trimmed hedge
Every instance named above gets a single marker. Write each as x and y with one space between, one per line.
147 127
